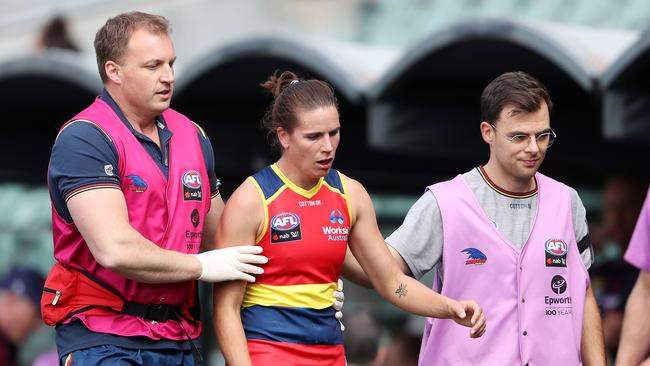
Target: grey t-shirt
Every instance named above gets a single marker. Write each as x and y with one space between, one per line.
419 239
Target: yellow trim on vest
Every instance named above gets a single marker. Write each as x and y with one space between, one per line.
314 296
303 192
266 211
205 136
86 121
345 195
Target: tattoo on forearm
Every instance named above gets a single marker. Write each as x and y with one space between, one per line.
401 290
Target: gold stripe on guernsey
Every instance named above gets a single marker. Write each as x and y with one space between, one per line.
303 192
333 189
502 192
266 211
86 121
90 188
275 195
314 296
200 130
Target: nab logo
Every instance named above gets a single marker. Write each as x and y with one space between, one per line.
285 221
474 256
555 247
191 179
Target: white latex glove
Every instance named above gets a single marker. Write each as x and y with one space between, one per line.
231 263
338 304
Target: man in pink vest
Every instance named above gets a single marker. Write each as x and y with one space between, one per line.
134 200
509 237
635 337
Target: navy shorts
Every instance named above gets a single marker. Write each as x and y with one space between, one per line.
109 355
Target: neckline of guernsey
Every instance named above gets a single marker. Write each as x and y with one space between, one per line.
502 191
308 193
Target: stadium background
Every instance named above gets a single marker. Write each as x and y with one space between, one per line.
408 73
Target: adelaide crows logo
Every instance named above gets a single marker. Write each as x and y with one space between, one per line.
474 256
136 184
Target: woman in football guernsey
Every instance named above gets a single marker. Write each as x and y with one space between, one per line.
305 215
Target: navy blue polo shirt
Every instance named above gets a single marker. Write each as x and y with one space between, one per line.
83 158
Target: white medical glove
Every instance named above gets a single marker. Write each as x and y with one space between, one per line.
338 304
231 263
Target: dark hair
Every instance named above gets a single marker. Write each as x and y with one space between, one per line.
517 89
292 95
24 281
111 39
55 35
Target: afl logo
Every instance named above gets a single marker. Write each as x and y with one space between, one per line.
555 247
285 221
191 179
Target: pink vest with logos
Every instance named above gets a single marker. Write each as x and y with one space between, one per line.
169 212
533 298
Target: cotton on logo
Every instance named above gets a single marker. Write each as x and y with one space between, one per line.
555 247
191 179
285 221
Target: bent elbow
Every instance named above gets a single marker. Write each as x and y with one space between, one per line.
107 255
109 261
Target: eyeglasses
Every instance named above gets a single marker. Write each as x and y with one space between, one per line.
544 139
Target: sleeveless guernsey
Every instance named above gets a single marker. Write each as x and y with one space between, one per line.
287 313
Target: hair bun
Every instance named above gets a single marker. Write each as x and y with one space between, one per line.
276 84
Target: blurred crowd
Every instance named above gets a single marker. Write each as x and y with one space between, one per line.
55 35
611 276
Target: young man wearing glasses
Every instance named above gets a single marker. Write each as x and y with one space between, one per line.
510 237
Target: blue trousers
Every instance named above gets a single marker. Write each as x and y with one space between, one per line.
109 355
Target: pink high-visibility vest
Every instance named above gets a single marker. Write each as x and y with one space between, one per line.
533 298
168 211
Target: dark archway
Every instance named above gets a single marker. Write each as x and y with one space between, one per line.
38 95
429 103
222 93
